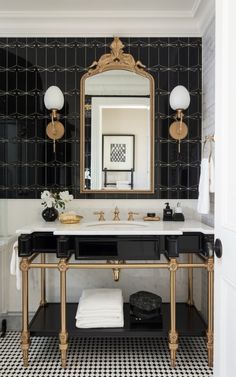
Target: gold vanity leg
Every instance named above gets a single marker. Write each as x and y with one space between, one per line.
63 335
25 334
43 301
210 269
190 280
173 335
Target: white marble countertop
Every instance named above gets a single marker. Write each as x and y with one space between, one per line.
119 228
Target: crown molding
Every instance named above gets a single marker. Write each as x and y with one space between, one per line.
96 14
145 25
106 23
204 15
195 7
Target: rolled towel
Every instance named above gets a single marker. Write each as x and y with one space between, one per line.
15 265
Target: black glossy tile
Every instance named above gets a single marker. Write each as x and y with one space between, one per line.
30 65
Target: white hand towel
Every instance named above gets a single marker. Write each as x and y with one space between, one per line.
100 300
212 175
204 187
15 265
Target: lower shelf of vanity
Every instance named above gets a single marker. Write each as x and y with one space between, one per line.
46 322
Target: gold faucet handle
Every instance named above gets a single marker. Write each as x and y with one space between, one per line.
131 215
101 215
116 214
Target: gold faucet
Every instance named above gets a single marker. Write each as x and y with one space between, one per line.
101 215
131 215
116 214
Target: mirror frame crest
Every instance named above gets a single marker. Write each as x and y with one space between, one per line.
117 59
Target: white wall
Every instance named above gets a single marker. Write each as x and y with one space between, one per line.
134 122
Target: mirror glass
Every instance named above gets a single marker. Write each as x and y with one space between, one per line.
117 131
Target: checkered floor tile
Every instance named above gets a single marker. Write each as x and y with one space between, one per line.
104 358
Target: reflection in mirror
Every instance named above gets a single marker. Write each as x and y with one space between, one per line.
117 131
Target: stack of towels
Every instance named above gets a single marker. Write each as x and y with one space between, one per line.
102 307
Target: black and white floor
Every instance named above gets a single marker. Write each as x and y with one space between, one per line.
104 358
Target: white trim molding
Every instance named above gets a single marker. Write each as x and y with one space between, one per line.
106 23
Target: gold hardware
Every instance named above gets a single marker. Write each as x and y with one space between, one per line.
55 129
178 129
25 343
173 265
62 265
63 335
209 333
88 106
210 265
173 335
210 139
101 215
116 214
24 264
25 335
116 270
43 301
116 58
190 281
131 215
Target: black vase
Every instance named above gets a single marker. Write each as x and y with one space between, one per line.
50 214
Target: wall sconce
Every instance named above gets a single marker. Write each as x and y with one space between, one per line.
54 101
179 101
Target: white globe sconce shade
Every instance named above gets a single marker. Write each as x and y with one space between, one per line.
179 101
53 98
54 101
179 98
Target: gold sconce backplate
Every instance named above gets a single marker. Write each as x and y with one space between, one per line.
178 130
55 130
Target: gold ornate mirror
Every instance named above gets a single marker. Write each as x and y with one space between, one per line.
117 125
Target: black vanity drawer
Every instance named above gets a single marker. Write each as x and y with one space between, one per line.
117 247
139 248
96 248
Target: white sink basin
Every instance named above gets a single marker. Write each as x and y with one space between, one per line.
116 224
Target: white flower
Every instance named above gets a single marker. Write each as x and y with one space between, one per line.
50 202
45 195
65 196
57 200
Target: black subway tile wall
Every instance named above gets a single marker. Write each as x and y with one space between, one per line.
28 66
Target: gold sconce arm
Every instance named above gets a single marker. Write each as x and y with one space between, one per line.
178 129
55 129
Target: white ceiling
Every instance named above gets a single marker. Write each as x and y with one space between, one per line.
104 17
97 5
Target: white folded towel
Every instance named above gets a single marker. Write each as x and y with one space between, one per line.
15 265
100 300
204 187
102 307
100 322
